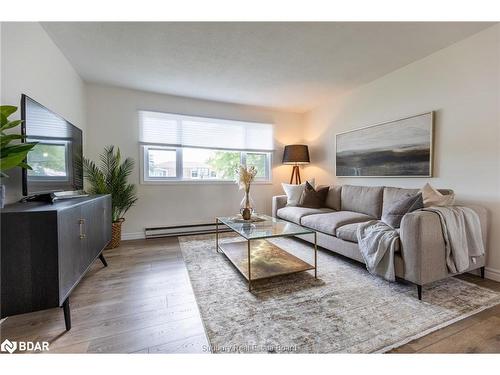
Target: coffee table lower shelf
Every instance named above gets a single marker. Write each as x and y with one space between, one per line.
267 259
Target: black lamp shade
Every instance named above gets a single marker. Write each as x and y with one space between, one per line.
296 154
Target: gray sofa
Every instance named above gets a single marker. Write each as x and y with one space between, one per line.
420 255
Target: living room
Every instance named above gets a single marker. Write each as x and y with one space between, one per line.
218 189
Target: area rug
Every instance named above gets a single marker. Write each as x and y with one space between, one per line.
346 310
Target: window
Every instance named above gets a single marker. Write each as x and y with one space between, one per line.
160 162
48 160
259 161
185 148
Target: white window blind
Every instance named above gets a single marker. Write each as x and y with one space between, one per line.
187 131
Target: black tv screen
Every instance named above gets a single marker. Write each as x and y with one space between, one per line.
57 158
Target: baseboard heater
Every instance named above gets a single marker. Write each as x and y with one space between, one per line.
182 230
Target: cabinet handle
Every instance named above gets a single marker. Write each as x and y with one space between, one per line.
82 223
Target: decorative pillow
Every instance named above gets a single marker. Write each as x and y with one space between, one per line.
313 198
395 213
294 192
432 197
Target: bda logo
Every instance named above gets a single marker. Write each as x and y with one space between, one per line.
8 346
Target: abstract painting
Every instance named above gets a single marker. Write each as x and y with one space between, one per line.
401 148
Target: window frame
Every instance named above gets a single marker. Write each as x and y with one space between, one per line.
179 178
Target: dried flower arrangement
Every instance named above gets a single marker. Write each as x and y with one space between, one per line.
244 179
245 176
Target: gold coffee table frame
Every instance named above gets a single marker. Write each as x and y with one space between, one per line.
256 258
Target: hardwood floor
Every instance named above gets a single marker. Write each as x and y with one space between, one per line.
479 333
143 303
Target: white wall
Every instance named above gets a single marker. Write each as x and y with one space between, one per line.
31 64
112 119
461 83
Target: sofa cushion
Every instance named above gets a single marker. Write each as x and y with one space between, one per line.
394 215
349 233
393 195
363 199
333 197
313 198
294 192
329 222
433 197
294 214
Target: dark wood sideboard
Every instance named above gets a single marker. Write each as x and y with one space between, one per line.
46 250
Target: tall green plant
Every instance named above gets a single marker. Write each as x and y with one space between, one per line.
11 155
110 177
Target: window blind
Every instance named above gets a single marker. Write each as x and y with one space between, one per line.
188 131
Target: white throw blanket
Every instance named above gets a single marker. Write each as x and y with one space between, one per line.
377 243
462 236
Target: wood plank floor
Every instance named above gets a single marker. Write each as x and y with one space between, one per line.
479 333
143 303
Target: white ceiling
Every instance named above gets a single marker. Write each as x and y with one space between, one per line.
291 66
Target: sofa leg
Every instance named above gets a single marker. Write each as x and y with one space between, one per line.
482 272
419 291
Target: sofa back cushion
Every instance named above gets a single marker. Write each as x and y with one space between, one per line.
394 194
333 198
362 199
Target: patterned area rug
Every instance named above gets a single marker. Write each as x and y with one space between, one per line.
345 310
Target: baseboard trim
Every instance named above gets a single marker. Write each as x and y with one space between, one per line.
492 274
133 236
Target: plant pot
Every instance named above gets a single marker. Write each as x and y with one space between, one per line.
116 234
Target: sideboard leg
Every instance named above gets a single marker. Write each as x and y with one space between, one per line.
67 314
482 272
419 290
103 260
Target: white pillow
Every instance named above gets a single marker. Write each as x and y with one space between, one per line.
432 197
294 192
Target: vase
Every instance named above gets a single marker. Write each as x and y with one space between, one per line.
246 206
116 234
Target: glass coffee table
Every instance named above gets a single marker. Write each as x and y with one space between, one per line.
266 259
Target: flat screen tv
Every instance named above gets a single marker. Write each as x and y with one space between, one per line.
57 158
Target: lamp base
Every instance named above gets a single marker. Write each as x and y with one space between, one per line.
296 174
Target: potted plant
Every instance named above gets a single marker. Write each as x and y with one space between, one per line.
110 177
11 155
